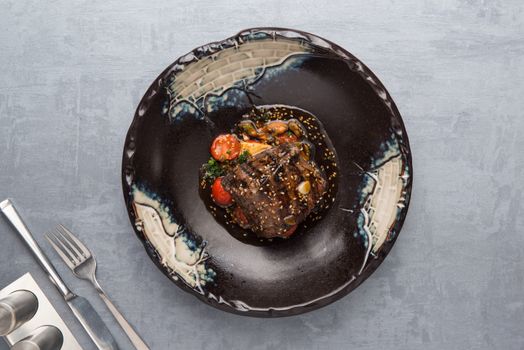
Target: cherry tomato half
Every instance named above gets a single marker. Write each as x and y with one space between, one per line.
287 137
220 195
225 147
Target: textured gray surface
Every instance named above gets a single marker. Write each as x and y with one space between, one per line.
72 74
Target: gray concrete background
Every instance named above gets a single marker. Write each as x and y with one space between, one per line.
72 73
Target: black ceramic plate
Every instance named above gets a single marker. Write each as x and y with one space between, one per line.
203 94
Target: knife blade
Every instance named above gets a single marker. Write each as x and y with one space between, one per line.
82 309
93 324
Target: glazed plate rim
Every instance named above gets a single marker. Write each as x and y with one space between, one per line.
338 293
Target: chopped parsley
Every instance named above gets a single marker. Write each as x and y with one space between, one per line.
212 169
242 158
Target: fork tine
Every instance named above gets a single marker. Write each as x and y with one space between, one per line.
62 252
66 242
72 238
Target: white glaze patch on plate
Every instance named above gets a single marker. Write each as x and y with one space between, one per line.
177 251
242 62
383 198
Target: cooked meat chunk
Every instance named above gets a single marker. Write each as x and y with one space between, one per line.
276 189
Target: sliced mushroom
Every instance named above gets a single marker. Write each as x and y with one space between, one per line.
249 128
276 127
308 150
296 127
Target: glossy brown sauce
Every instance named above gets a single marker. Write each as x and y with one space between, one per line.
322 153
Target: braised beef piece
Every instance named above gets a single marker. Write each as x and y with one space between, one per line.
266 188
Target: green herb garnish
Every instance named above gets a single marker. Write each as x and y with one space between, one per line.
212 169
242 158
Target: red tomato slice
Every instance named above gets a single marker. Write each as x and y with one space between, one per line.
289 231
225 147
220 195
287 137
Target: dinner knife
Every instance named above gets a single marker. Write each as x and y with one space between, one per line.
81 308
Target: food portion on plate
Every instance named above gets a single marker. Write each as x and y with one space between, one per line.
264 177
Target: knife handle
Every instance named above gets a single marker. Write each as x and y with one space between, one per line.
14 218
133 336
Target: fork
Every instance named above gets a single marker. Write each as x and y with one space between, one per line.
83 264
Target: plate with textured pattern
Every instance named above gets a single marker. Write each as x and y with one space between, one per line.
203 94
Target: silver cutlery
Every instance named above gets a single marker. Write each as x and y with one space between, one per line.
83 264
81 308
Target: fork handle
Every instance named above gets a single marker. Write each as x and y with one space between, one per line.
14 218
128 329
